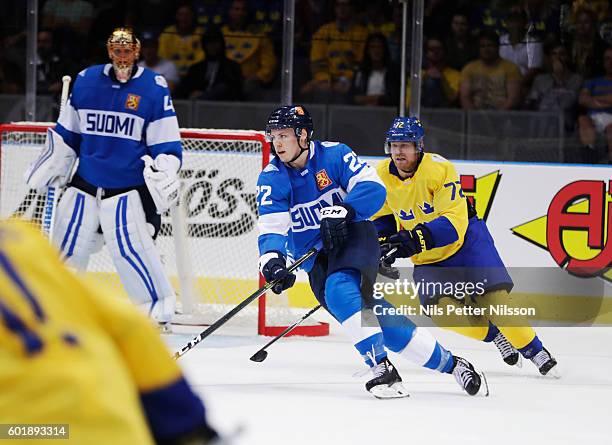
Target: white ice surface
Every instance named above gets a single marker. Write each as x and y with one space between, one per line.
305 393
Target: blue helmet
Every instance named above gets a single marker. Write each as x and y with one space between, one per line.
290 116
405 129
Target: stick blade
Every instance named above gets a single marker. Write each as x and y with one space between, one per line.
259 356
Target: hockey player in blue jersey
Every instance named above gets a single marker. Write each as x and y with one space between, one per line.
120 125
320 194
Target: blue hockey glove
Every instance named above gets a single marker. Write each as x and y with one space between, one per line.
273 267
335 222
407 244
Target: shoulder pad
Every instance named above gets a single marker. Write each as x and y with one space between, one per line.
438 158
329 144
161 81
270 168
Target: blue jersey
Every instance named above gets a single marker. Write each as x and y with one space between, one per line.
290 200
110 125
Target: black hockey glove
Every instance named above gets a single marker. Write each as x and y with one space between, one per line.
335 222
273 267
407 244
384 269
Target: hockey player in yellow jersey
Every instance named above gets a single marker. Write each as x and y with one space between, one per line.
427 218
70 355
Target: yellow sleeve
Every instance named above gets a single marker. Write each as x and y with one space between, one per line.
145 354
466 72
319 63
512 71
165 44
451 84
267 64
450 203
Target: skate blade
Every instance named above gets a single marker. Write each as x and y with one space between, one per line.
395 391
484 386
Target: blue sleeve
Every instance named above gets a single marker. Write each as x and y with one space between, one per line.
273 205
162 134
385 225
173 411
68 125
442 231
366 193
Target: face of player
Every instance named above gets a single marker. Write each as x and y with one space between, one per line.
123 57
286 144
405 156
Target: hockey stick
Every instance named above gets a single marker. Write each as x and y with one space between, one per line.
262 354
52 191
254 296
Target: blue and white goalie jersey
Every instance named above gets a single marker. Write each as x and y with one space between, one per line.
290 200
110 125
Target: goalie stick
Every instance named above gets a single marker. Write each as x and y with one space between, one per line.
262 354
254 296
48 219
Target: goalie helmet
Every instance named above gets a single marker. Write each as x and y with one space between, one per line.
406 129
123 50
290 116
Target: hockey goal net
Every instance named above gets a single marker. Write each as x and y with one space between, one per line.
213 265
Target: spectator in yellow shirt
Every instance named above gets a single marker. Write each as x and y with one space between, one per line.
439 83
337 48
490 82
246 45
180 43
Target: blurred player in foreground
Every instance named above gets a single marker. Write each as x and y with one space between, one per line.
447 242
320 194
70 355
120 124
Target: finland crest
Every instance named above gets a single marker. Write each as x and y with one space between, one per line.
323 180
132 102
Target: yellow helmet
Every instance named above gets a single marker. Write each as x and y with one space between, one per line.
123 50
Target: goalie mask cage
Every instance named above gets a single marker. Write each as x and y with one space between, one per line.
209 247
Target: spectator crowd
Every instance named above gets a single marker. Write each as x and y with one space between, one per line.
496 54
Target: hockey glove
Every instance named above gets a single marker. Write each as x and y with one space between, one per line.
273 267
335 222
161 177
54 165
407 244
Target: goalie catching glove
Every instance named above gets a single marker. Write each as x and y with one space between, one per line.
408 243
54 165
161 177
273 267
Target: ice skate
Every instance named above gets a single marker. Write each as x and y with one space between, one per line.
467 377
546 363
387 383
510 355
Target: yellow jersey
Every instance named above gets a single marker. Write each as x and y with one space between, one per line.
71 355
434 191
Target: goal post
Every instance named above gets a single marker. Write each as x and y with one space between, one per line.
208 243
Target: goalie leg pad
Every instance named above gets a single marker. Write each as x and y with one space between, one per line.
76 227
129 240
